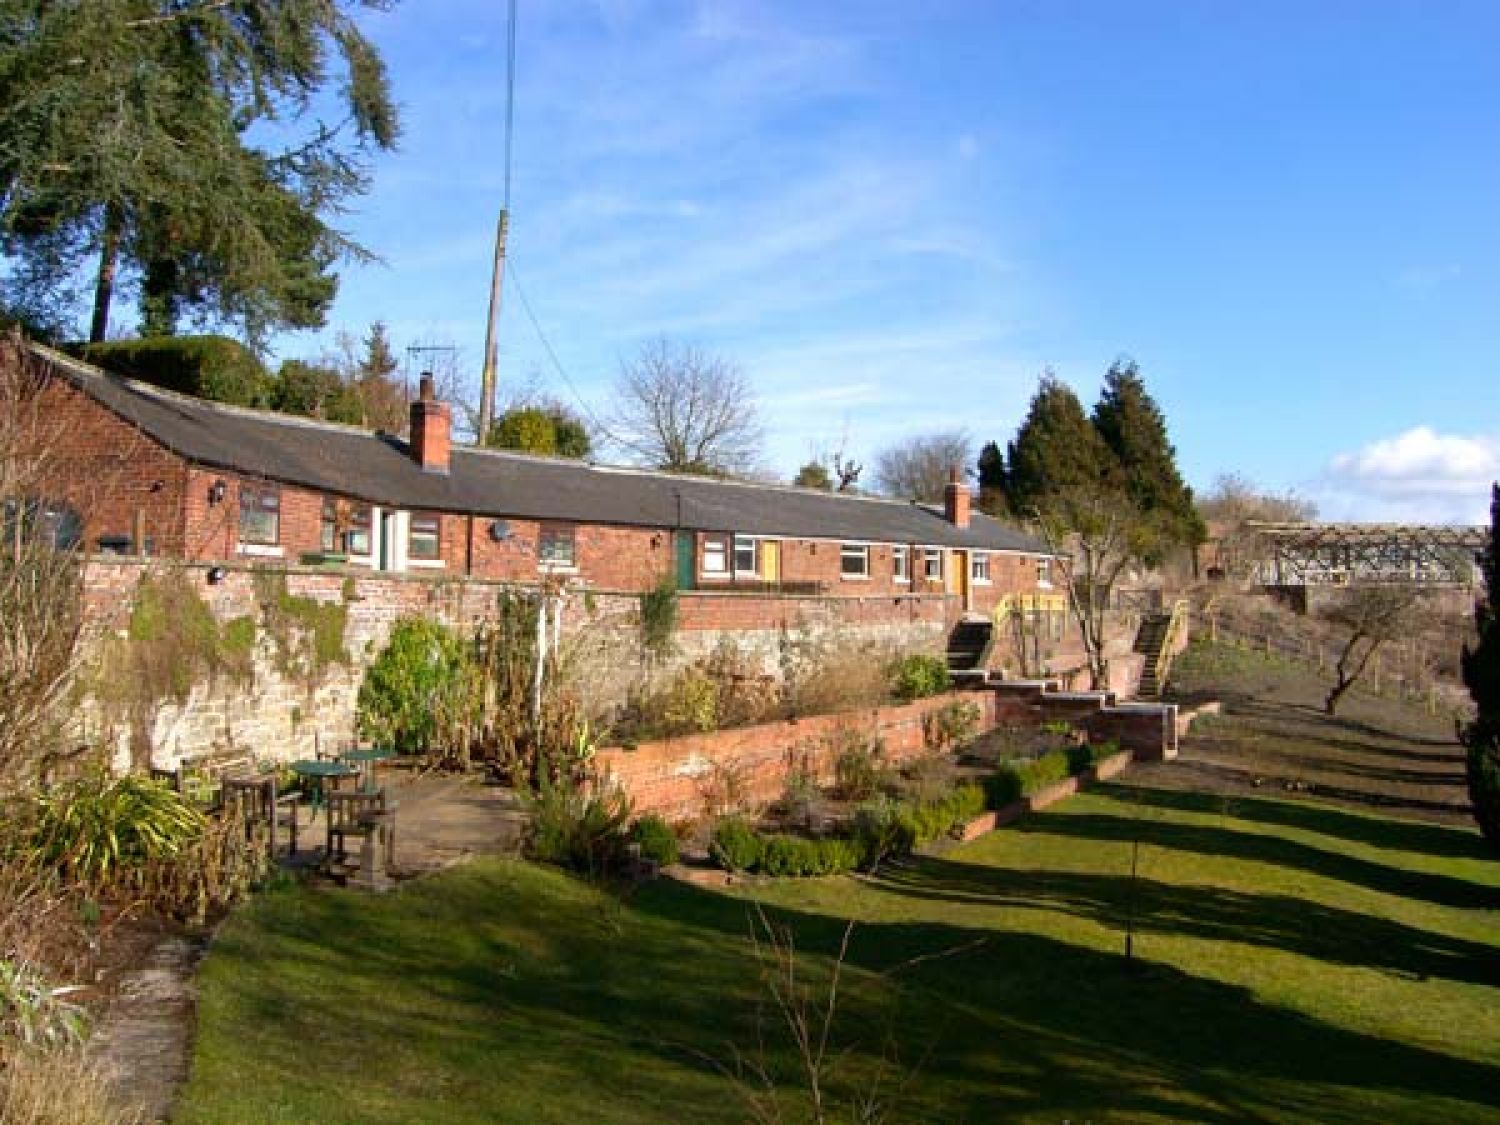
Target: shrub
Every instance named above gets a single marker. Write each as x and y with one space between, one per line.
834 678
98 830
212 367
422 683
1014 780
919 675
691 703
657 841
578 828
794 857
1085 756
877 829
736 846
952 724
922 822
859 768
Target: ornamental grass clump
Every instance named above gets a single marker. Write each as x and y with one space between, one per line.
102 831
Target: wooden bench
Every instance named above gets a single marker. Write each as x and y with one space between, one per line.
261 802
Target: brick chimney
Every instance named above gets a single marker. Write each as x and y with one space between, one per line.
431 428
956 499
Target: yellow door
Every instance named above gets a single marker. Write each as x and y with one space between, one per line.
770 560
958 574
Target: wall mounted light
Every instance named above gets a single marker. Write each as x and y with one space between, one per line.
499 531
217 491
216 574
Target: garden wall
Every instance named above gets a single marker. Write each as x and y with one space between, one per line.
273 714
687 777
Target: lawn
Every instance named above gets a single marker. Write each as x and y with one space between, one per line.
1292 962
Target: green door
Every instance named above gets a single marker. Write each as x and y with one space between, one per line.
686 560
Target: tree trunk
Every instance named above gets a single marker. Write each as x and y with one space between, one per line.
109 259
1346 678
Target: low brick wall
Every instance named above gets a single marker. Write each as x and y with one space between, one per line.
684 778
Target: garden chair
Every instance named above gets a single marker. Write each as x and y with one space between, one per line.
369 817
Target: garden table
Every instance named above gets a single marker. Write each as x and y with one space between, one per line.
366 760
322 772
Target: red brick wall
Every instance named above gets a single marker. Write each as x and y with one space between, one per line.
108 470
608 558
679 776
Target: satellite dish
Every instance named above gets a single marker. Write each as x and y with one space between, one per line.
499 531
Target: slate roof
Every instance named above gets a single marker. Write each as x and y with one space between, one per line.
378 468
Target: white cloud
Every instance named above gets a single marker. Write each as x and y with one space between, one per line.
1419 475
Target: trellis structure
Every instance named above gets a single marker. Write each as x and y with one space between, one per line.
1342 554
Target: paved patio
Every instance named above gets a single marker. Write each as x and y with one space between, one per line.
441 820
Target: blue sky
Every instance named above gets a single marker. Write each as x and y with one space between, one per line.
895 216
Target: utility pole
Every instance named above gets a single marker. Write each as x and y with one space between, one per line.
491 344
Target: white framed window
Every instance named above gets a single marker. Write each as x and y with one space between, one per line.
1044 572
979 568
557 547
901 564
424 537
932 564
854 560
746 556
715 556
260 516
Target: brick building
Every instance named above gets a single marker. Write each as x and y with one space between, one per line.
146 472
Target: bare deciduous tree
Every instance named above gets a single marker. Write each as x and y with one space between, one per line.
917 468
40 601
1373 615
681 409
1104 535
1232 505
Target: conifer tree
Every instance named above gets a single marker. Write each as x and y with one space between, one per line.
1056 451
1481 671
992 479
1133 427
128 131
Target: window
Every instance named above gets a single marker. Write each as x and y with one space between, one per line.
357 539
260 516
715 555
932 564
979 568
557 547
901 564
1044 572
746 556
345 527
424 537
854 560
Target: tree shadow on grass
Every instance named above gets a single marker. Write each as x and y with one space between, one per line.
1441 890
529 998
1245 778
1030 1024
1284 922
1380 832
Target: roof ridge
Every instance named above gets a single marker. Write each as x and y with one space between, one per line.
89 370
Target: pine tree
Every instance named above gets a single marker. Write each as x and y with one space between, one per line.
1133 427
1481 671
992 479
128 131
1056 451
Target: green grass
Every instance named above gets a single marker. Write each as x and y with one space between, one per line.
1293 962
